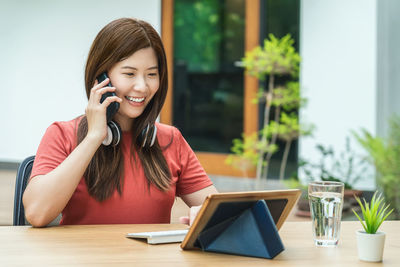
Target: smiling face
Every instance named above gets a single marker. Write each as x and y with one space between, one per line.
136 80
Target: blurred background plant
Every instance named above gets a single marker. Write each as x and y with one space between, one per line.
384 154
276 58
346 167
245 155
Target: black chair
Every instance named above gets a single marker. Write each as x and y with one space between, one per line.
23 173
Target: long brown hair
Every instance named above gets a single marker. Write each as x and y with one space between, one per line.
115 42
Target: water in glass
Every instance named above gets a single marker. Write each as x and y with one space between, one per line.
326 213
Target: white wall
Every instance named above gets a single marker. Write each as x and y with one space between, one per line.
43 49
338 46
388 84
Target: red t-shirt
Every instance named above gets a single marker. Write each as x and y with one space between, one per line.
136 204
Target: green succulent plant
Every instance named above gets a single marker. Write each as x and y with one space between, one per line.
374 213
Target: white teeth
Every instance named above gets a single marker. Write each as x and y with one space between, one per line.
135 99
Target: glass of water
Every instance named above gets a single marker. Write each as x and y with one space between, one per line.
326 201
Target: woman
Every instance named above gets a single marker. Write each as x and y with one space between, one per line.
133 181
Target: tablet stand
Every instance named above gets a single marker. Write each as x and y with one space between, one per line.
251 233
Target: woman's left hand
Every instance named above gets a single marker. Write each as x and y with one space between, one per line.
194 210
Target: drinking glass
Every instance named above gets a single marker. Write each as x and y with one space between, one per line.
326 201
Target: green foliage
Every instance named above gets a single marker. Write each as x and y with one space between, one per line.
245 152
277 56
288 97
288 128
385 155
374 213
347 167
204 35
246 148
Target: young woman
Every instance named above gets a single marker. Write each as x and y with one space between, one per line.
135 180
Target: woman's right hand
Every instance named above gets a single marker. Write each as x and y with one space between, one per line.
46 196
96 111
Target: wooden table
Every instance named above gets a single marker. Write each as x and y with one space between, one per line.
98 245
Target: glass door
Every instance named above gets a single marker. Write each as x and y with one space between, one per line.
210 101
208 86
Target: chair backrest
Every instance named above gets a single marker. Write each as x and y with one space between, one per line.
23 173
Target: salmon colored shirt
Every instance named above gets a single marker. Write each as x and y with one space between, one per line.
136 204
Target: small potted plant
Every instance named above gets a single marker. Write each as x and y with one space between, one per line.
370 243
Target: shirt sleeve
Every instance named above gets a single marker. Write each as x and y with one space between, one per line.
52 151
192 177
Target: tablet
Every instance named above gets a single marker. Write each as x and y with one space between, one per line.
218 208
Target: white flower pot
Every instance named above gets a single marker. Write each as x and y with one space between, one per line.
370 246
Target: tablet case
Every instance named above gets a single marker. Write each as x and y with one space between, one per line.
243 228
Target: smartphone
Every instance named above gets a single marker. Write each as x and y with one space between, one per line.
114 106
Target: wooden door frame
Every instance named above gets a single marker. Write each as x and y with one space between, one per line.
213 163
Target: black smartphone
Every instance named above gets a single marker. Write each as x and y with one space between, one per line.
114 106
